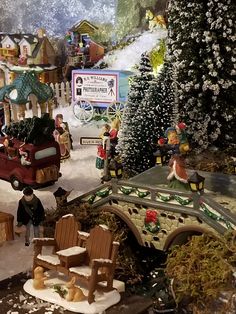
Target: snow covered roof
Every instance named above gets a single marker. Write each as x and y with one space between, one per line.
31 39
25 84
80 23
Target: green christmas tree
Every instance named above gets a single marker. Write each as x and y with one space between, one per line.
161 97
139 85
151 119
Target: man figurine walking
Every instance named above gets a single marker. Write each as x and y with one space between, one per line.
30 212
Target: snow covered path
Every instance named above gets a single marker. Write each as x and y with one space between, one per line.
126 58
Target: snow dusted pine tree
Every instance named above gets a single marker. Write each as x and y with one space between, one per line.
185 28
161 97
200 48
220 68
138 88
153 116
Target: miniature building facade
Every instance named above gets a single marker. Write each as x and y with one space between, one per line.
24 50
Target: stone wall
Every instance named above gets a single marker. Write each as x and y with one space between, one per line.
168 222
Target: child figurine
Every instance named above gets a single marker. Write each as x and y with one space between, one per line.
24 157
62 136
183 141
115 125
178 178
101 152
172 139
30 212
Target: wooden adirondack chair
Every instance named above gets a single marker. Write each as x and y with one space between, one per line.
66 236
97 261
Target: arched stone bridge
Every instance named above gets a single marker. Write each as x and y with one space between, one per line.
160 217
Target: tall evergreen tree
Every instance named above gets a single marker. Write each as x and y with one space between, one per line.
161 95
150 121
220 67
139 85
200 48
185 27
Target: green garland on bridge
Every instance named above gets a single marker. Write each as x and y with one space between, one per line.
129 190
102 193
213 216
126 190
170 197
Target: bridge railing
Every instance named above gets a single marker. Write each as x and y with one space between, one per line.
162 198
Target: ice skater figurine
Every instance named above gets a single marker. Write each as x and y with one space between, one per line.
30 212
177 177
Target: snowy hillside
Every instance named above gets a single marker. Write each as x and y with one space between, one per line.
127 57
56 16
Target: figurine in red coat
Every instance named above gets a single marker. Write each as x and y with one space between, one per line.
178 177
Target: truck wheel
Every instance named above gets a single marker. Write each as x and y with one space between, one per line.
16 184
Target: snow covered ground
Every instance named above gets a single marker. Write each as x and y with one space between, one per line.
78 174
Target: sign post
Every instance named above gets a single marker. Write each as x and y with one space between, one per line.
87 140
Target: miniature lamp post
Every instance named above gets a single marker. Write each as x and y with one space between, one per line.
115 169
196 182
160 157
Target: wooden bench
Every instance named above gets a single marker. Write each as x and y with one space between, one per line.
6 227
66 236
94 262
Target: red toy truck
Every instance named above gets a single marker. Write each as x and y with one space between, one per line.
27 164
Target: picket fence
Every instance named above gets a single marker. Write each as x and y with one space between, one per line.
62 92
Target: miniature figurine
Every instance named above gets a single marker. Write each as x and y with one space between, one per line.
10 149
101 152
172 140
172 137
75 294
39 278
177 140
62 136
178 176
24 159
183 141
61 196
30 212
155 21
115 125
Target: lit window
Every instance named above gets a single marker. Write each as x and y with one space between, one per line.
47 152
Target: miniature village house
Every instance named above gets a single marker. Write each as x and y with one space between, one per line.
18 51
9 47
82 50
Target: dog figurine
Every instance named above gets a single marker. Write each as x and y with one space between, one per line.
38 281
75 294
